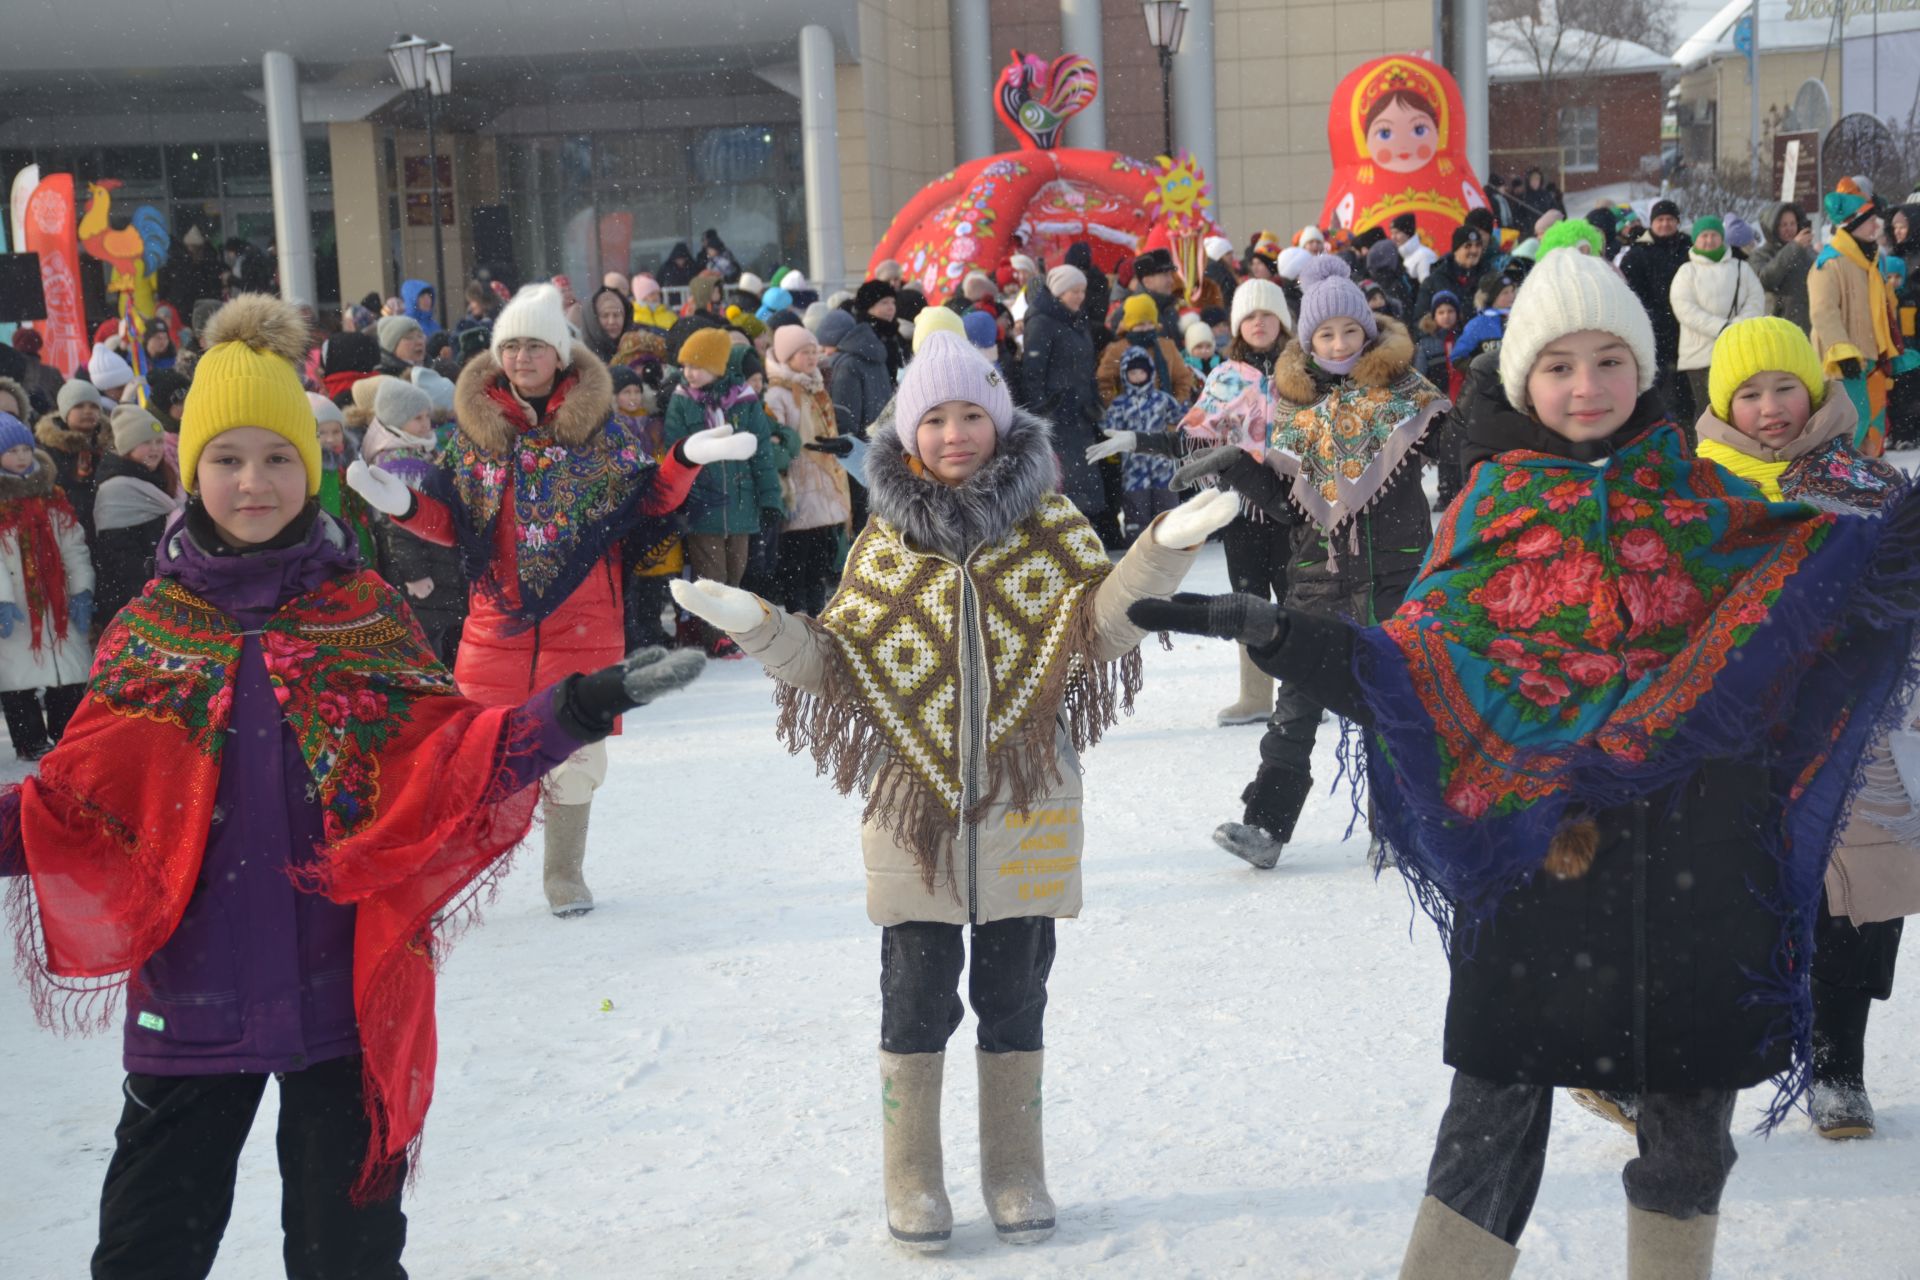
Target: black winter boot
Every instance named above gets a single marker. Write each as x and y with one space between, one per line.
1838 1099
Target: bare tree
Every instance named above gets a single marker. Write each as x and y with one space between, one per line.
1566 41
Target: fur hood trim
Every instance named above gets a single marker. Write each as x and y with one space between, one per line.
955 521
581 417
1381 365
53 432
37 483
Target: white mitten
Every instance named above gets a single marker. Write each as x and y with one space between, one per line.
728 608
1116 442
1189 524
383 491
719 444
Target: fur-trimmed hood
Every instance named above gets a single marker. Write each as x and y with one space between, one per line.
18 390
37 483
954 521
53 432
580 418
1382 364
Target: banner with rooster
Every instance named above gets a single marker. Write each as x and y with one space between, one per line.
134 255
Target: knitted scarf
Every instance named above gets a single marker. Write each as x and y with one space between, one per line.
1584 635
1879 303
29 506
572 503
900 642
115 824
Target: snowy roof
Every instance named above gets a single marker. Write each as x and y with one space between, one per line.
1510 51
1794 24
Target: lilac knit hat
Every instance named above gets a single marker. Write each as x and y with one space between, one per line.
948 368
1327 290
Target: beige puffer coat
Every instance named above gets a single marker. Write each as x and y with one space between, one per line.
1008 864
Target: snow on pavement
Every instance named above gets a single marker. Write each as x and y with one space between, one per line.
1243 1068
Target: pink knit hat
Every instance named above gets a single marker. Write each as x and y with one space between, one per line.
948 368
789 340
645 286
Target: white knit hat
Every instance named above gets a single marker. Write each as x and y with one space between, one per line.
750 283
1195 334
107 369
1570 293
535 312
1216 247
1292 260
1065 278
1259 295
1021 262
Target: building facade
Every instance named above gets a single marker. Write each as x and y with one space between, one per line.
596 138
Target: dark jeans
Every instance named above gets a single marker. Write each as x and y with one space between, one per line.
1007 984
1279 790
645 602
1492 1151
1257 553
804 579
33 730
169 1186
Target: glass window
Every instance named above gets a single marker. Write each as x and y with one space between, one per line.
244 169
1580 138
742 153
192 172
140 170
319 164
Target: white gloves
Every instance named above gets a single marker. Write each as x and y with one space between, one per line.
1189 524
719 444
1116 442
382 490
728 608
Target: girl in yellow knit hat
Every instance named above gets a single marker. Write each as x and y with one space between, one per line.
1778 423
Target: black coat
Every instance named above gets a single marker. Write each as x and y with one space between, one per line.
1448 274
1650 266
1057 381
123 558
859 384
1630 977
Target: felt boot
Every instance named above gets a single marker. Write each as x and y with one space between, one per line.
1445 1246
1665 1248
1838 1099
1256 694
1622 1109
919 1215
1013 1165
566 835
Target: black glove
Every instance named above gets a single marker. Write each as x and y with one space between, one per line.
1849 369
587 705
774 516
1246 619
838 446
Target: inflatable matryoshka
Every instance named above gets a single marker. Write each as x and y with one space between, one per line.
1398 135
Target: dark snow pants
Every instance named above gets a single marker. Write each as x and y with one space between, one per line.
33 730
920 966
169 1186
1492 1151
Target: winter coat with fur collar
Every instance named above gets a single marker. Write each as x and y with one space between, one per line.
55 660
504 656
1004 863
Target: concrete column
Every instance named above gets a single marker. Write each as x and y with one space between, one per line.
1470 69
287 163
1080 33
972 48
1193 91
820 160
359 210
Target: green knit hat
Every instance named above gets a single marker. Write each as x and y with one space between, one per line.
1569 232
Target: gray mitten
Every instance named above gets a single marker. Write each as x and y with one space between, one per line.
587 705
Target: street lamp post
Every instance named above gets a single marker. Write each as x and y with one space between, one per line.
427 69
1166 22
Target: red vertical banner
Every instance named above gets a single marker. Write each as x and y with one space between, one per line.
50 232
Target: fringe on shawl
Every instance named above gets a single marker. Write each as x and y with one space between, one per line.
848 745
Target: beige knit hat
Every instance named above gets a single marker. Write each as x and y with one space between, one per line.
133 427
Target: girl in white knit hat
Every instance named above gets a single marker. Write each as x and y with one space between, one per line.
538 488
978 642
1612 732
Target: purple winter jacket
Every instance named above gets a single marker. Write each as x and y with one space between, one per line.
258 975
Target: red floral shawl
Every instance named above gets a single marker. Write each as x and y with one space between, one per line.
114 826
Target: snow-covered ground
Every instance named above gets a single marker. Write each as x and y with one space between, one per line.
1244 1068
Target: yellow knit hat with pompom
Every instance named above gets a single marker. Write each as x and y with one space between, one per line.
248 378
1139 312
1761 345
